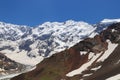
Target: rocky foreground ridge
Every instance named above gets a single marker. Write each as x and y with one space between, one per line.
95 58
9 67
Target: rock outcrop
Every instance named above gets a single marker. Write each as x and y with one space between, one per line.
9 67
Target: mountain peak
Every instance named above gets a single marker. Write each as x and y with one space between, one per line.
110 20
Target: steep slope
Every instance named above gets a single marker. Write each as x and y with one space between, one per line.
95 58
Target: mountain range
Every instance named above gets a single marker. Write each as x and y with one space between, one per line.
71 50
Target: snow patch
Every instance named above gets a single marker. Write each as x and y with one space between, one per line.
87 75
96 68
111 48
83 52
113 30
116 77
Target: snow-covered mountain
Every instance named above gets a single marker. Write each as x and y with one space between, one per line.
34 43
96 58
31 44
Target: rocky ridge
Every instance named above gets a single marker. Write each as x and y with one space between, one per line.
9 67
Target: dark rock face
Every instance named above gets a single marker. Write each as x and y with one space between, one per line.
8 66
25 45
95 45
112 33
7 47
7 63
58 65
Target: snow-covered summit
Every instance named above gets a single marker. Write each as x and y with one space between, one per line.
12 32
110 20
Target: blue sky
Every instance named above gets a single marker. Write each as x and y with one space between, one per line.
35 12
